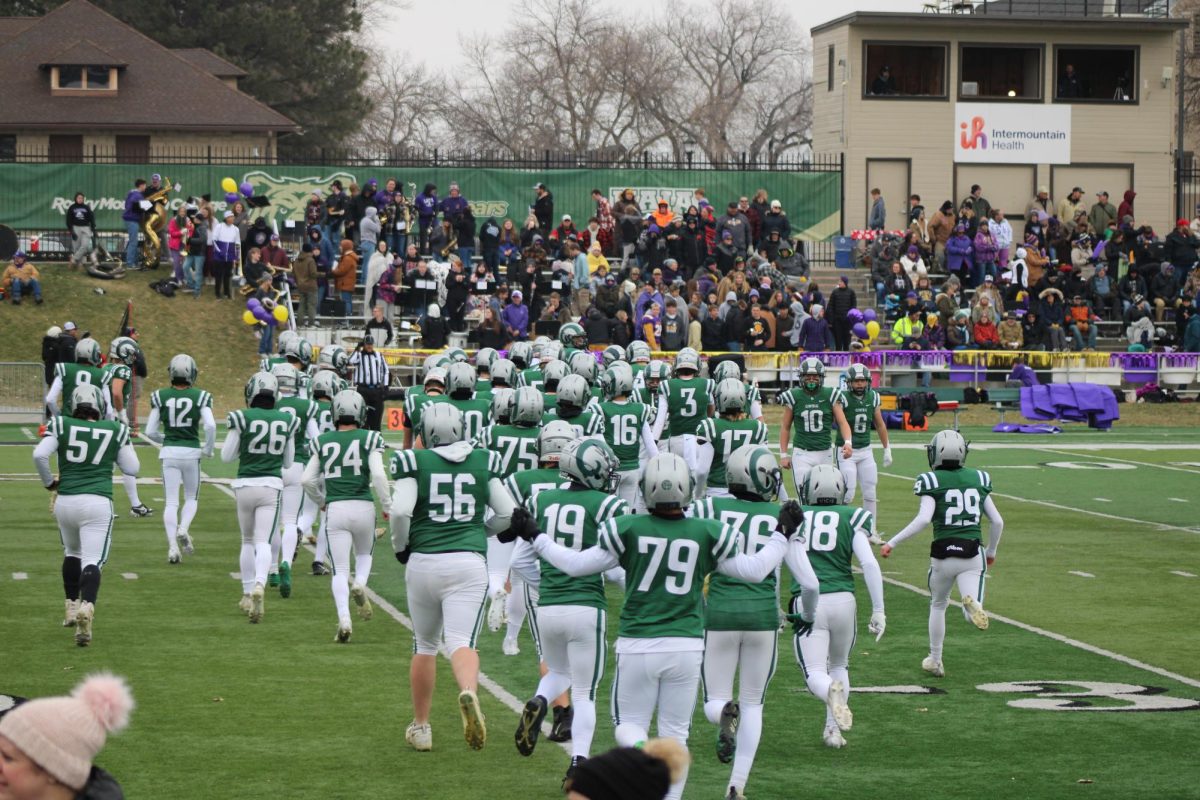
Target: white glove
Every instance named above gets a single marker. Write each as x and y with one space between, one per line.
887 456
877 625
123 416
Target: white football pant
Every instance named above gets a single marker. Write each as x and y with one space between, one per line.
572 644
969 573
446 594
629 490
185 473
802 463
284 544
752 655
85 526
258 517
351 526
824 654
861 467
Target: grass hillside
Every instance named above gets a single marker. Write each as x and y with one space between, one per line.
212 332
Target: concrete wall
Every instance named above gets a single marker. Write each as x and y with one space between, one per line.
1135 138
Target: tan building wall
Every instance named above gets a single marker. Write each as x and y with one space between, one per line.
1114 146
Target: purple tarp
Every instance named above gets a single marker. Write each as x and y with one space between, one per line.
1092 403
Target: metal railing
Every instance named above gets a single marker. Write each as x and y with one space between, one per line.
22 387
1157 9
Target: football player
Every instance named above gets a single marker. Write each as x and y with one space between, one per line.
730 369
742 619
285 338
460 393
583 364
860 405
87 447
484 358
85 370
283 547
666 556
652 377
439 531
298 352
574 340
552 373
572 401
516 442
954 499
529 371
684 401
337 479
503 375
718 437
818 409
122 355
571 612
262 440
434 386
611 355
626 430
832 534
325 384
181 410
638 354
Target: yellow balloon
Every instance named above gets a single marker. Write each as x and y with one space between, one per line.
229 185
248 317
872 330
281 313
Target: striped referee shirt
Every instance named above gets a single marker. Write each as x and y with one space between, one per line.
370 369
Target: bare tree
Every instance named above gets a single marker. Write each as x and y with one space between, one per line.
401 96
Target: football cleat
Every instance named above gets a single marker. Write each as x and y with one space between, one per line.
173 556
727 732
71 609
529 727
419 737
310 539
837 706
184 540
496 616
141 511
285 579
510 647
273 579
256 603
934 668
343 632
83 623
833 737
358 593
975 613
319 568
245 604
560 731
575 762
474 729
735 794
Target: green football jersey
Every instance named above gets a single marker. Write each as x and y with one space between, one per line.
665 562
113 372
688 400
266 362
483 386
517 447
587 423
527 484
623 430
263 435
572 517
414 404
179 414
451 499
812 417
644 395
303 410
477 414
87 451
829 533
959 496
75 375
727 435
732 604
549 400
639 379
860 413
324 416
530 377
344 456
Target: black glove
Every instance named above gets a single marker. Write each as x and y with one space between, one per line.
523 526
800 627
791 517
403 555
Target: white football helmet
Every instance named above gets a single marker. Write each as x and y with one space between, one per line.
435 375
812 373
286 336
326 384
583 363
521 354
591 463
687 359
435 360
638 352
501 404
572 335
261 383
730 395
333 357
182 369
617 380
503 373
86 398
123 350
554 438
824 486
947 450
656 372
667 483
485 358
552 373
460 377
753 469
441 424
551 351
858 372
612 354
526 407
287 377
456 355
348 405
87 351
573 390
300 350
726 369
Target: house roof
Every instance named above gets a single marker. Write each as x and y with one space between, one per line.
1030 22
210 62
11 26
82 53
159 88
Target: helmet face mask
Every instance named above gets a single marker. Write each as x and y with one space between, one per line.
730 396
573 335
525 407
859 379
947 450
656 373
753 470
441 424
812 374
824 486
590 462
348 404
182 369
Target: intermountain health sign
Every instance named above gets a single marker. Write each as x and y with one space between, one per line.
1001 133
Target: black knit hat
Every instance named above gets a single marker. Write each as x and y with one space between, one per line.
625 773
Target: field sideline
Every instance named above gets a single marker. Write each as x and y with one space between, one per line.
1095 582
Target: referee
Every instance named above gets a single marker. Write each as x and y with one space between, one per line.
371 380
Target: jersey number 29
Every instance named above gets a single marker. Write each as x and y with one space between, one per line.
962 507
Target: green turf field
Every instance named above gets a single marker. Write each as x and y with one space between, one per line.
1094 591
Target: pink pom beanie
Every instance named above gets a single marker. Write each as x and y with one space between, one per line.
63 734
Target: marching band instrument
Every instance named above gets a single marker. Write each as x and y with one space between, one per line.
153 224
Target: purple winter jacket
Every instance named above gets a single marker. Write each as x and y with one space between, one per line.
958 252
814 334
985 248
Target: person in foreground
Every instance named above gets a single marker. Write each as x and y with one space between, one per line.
630 773
953 498
47 745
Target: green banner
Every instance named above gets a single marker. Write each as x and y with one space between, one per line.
36 196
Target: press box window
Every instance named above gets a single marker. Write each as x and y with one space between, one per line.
904 70
1095 74
995 72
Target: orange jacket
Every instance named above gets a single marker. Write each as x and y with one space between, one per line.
345 274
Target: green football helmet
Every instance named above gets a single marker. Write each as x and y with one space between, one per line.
617 380
858 378
730 396
947 450
590 462
583 364
521 354
287 378
485 358
87 400
573 390
87 351
612 354
123 350
349 405
824 486
182 369
553 439
326 384
261 383
812 374
752 469
667 483
525 407
503 373
441 424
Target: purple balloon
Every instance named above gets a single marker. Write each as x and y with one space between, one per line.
231 197
253 304
247 188
860 330
854 315
869 315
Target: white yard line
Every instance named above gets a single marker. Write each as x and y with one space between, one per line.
1102 499
29 434
1178 500
1090 648
1183 574
1162 526
129 576
20 576
1080 574
1062 452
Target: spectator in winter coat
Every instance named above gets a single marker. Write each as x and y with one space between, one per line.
1164 291
434 331
941 227
958 333
1033 332
314 210
1191 336
1009 332
776 220
369 231
648 329
1101 214
427 205
515 317
908 331
913 264
345 275
881 274
597 326
543 208
922 237
1002 235
1070 205
257 235
225 244
1181 247
792 263
21 278
1053 314
712 330
787 329
1102 293
984 334
453 204
877 218
987 254
948 302
738 225
958 255
304 270
673 327
1126 207
1081 324
814 331
489 243
758 334
841 300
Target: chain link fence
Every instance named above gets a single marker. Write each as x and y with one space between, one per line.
22 388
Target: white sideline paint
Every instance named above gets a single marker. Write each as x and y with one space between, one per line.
1162 526
20 576
1177 499
129 576
1124 460
1183 574
1102 499
1058 637
496 690
1080 574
